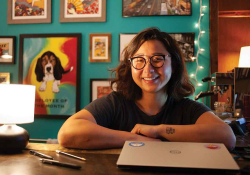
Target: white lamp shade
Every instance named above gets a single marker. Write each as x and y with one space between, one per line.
244 57
17 103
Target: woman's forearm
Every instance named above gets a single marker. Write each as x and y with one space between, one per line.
210 133
85 134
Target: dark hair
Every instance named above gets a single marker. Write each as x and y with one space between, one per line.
179 85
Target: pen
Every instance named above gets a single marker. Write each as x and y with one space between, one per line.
55 162
70 155
35 153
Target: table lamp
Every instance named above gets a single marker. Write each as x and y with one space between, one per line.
17 103
244 57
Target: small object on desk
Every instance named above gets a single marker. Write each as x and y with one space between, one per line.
35 153
70 155
57 163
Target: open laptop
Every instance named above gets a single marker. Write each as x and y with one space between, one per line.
185 155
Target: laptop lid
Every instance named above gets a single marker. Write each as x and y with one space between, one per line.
176 155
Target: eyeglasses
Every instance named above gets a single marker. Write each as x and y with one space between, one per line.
140 62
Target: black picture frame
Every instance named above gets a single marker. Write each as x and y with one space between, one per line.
94 83
59 98
7 49
156 8
186 44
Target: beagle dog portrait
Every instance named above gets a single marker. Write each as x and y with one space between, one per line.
49 68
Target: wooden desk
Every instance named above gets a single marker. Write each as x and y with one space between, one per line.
97 162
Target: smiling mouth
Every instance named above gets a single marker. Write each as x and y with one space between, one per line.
152 78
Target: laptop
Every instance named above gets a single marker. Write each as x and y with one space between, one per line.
179 155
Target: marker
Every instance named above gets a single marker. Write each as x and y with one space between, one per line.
57 163
70 155
35 153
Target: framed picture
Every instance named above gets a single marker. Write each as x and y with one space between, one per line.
156 8
51 62
4 78
125 38
186 44
82 11
100 47
29 11
7 49
99 88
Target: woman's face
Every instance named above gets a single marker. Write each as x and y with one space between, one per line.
150 79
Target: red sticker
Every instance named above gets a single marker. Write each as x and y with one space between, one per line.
212 146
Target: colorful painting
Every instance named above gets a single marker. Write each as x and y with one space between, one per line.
4 78
100 47
7 44
29 11
83 11
156 7
52 64
99 88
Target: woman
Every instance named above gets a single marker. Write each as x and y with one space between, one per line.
148 104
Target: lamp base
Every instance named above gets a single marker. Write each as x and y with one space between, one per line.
13 138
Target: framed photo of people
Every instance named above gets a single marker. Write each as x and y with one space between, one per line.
100 47
51 62
125 38
186 44
4 78
29 11
82 11
131 8
99 88
7 49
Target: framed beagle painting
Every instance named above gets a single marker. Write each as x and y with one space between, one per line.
29 11
82 11
51 62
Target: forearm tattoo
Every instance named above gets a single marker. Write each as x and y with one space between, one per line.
170 130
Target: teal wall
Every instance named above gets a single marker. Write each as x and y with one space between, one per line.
115 24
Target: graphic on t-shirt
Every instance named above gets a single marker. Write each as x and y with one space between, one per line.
212 146
136 144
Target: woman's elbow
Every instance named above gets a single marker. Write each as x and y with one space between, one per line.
230 139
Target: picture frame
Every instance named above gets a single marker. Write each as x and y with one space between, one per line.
51 62
186 44
99 88
22 12
156 8
124 38
4 78
86 11
100 47
7 49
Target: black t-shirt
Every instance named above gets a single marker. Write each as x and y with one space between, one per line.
115 112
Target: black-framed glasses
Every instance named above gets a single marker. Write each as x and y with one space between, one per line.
140 62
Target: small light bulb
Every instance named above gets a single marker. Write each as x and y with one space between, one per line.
203 32
202 50
191 75
196 25
199 84
202 14
193 58
195 42
204 6
201 67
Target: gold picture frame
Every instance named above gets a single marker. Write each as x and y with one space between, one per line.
39 12
4 78
87 11
100 47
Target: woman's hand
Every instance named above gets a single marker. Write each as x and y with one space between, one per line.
151 131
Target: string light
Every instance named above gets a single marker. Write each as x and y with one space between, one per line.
200 50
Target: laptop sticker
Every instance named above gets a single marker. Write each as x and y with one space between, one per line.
212 146
136 144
